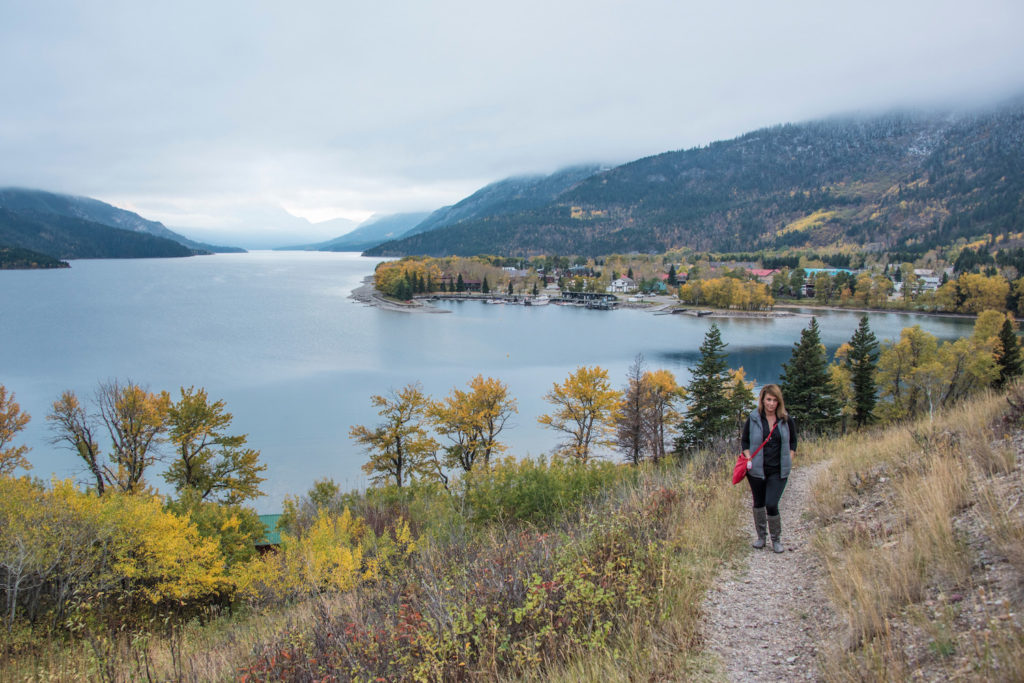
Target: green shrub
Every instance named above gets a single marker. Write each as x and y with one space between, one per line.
536 491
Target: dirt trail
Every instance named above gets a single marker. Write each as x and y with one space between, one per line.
768 618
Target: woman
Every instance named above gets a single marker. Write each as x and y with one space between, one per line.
771 432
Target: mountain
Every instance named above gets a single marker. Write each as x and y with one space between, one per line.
370 233
67 237
40 203
902 181
507 197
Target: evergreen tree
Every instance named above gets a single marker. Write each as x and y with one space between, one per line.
629 273
796 282
404 290
861 361
460 285
709 413
535 289
510 290
485 287
1008 357
673 278
807 385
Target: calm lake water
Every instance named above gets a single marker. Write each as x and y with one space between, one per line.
275 335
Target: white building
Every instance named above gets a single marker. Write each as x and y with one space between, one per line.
622 285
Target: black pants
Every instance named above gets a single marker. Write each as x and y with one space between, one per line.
767 492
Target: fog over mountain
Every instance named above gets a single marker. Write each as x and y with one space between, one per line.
344 110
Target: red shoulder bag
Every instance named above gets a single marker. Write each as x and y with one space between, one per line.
739 470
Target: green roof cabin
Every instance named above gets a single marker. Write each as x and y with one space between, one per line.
271 535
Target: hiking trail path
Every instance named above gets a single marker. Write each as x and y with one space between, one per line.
768 617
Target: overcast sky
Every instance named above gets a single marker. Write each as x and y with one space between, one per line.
211 115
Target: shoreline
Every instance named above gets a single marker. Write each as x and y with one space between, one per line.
368 295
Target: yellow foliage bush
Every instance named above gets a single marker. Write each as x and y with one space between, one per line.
335 554
65 551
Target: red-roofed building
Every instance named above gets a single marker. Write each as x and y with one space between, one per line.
763 274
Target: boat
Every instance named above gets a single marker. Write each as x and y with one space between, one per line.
542 300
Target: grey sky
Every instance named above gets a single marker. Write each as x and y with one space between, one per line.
212 116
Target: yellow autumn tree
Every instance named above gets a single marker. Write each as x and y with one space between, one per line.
472 420
400 448
134 418
212 464
585 406
917 374
842 379
78 430
665 397
65 551
727 292
973 293
407 276
12 421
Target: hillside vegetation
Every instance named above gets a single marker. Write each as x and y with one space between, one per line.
903 182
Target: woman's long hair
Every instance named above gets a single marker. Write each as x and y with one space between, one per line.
775 391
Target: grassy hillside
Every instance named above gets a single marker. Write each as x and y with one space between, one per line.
922 537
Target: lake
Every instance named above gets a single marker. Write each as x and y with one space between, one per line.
276 336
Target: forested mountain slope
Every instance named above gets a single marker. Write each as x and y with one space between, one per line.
507 197
899 181
40 204
64 237
372 232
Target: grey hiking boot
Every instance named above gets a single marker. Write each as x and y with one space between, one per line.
775 527
761 527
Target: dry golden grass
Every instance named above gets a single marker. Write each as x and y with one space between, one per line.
905 513
210 651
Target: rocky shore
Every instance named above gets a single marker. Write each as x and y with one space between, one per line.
368 294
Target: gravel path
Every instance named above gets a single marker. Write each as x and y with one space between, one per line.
768 618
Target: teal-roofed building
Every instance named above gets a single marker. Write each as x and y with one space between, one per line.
271 535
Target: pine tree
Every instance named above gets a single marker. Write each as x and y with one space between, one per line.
861 361
673 278
485 287
1008 356
510 290
806 383
709 413
460 284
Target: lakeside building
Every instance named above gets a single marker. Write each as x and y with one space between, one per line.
763 275
622 285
